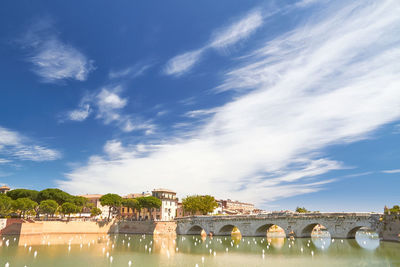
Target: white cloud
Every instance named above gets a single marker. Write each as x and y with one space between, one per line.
237 31
333 81
130 72
79 114
52 59
223 37
107 104
391 171
182 63
3 161
16 146
201 112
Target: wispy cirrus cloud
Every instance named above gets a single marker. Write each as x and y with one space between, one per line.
107 105
391 171
221 38
52 59
14 146
332 80
131 72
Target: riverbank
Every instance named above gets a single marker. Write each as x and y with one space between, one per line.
21 227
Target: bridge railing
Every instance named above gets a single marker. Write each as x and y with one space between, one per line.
281 215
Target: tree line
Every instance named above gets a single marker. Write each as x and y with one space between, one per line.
52 201
26 202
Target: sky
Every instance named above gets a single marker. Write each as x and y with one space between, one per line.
279 103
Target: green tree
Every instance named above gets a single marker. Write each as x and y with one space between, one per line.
55 194
149 203
394 210
207 204
131 203
48 207
5 204
113 201
190 204
95 212
24 205
203 204
23 193
81 202
302 210
69 208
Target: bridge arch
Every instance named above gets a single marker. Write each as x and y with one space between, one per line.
307 231
227 229
352 233
264 229
195 230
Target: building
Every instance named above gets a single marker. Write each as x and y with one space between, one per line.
236 207
4 189
95 200
167 211
169 204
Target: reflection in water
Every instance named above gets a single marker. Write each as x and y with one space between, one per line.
320 237
164 245
276 242
367 239
169 251
236 237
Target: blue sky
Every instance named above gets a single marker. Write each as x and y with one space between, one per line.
280 103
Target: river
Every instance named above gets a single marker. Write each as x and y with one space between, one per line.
148 250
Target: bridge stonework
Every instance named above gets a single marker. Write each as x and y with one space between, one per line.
339 225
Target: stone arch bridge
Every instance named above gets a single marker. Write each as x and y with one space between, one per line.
339 225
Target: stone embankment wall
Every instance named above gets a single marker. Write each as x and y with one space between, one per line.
391 227
20 227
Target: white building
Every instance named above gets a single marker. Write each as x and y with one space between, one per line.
169 204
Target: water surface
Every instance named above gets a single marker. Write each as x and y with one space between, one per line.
147 250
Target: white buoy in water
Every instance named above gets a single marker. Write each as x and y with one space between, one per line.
312 253
196 265
30 248
103 250
107 254
226 249
129 263
7 264
111 259
35 254
301 249
202 259
215 253
149 250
